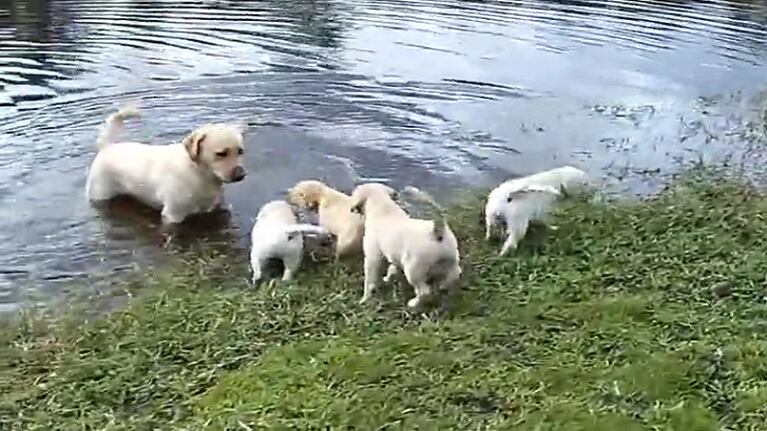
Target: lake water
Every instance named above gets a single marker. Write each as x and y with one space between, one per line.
440 94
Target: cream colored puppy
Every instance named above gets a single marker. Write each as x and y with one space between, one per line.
522 207
425 250
335 215
278 235
177 179
518 202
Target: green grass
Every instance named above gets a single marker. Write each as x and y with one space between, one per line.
637 315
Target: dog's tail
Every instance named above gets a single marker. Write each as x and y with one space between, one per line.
305 228
440 222
113 125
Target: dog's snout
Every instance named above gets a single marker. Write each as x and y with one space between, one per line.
238 174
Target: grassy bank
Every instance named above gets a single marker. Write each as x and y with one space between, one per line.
644 315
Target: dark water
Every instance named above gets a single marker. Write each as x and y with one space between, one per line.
436 93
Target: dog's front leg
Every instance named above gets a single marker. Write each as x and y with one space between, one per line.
422 291
172 214
372 275
218 203
256 269
390 272
449 287
513 237
489 223
510 244
291 263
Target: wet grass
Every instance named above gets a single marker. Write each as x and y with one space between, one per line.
640 315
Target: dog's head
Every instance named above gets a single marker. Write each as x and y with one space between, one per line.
218 147
369 191
308 194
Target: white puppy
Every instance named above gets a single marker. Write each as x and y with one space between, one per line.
277 235
177 179
334 213
519 201
425 250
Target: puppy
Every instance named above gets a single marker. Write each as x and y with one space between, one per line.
277 235
522 207
335 214
519 201
177 179
426 251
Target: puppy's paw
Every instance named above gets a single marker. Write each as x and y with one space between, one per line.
272 282
414 303
553 227
364 300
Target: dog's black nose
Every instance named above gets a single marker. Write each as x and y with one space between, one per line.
238 174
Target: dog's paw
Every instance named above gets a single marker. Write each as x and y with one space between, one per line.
364 300
414 303
553 227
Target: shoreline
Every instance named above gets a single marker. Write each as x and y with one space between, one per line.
637 314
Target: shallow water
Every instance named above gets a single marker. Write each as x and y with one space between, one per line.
436 93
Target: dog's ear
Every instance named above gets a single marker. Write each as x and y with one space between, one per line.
193 144
359 207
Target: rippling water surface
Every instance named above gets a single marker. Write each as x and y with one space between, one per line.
437 93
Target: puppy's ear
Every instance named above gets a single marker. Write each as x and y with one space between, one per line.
314 206
193 144
510 196
359 207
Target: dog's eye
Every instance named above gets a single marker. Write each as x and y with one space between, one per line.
508 199
240 151
222 154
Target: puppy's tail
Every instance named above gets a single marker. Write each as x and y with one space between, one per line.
305 228
113 124
440 222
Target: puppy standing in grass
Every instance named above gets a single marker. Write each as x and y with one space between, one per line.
335 214
425 250
177 179
518 202
277 235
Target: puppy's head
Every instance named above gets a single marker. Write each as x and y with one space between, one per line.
308 194
218 147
